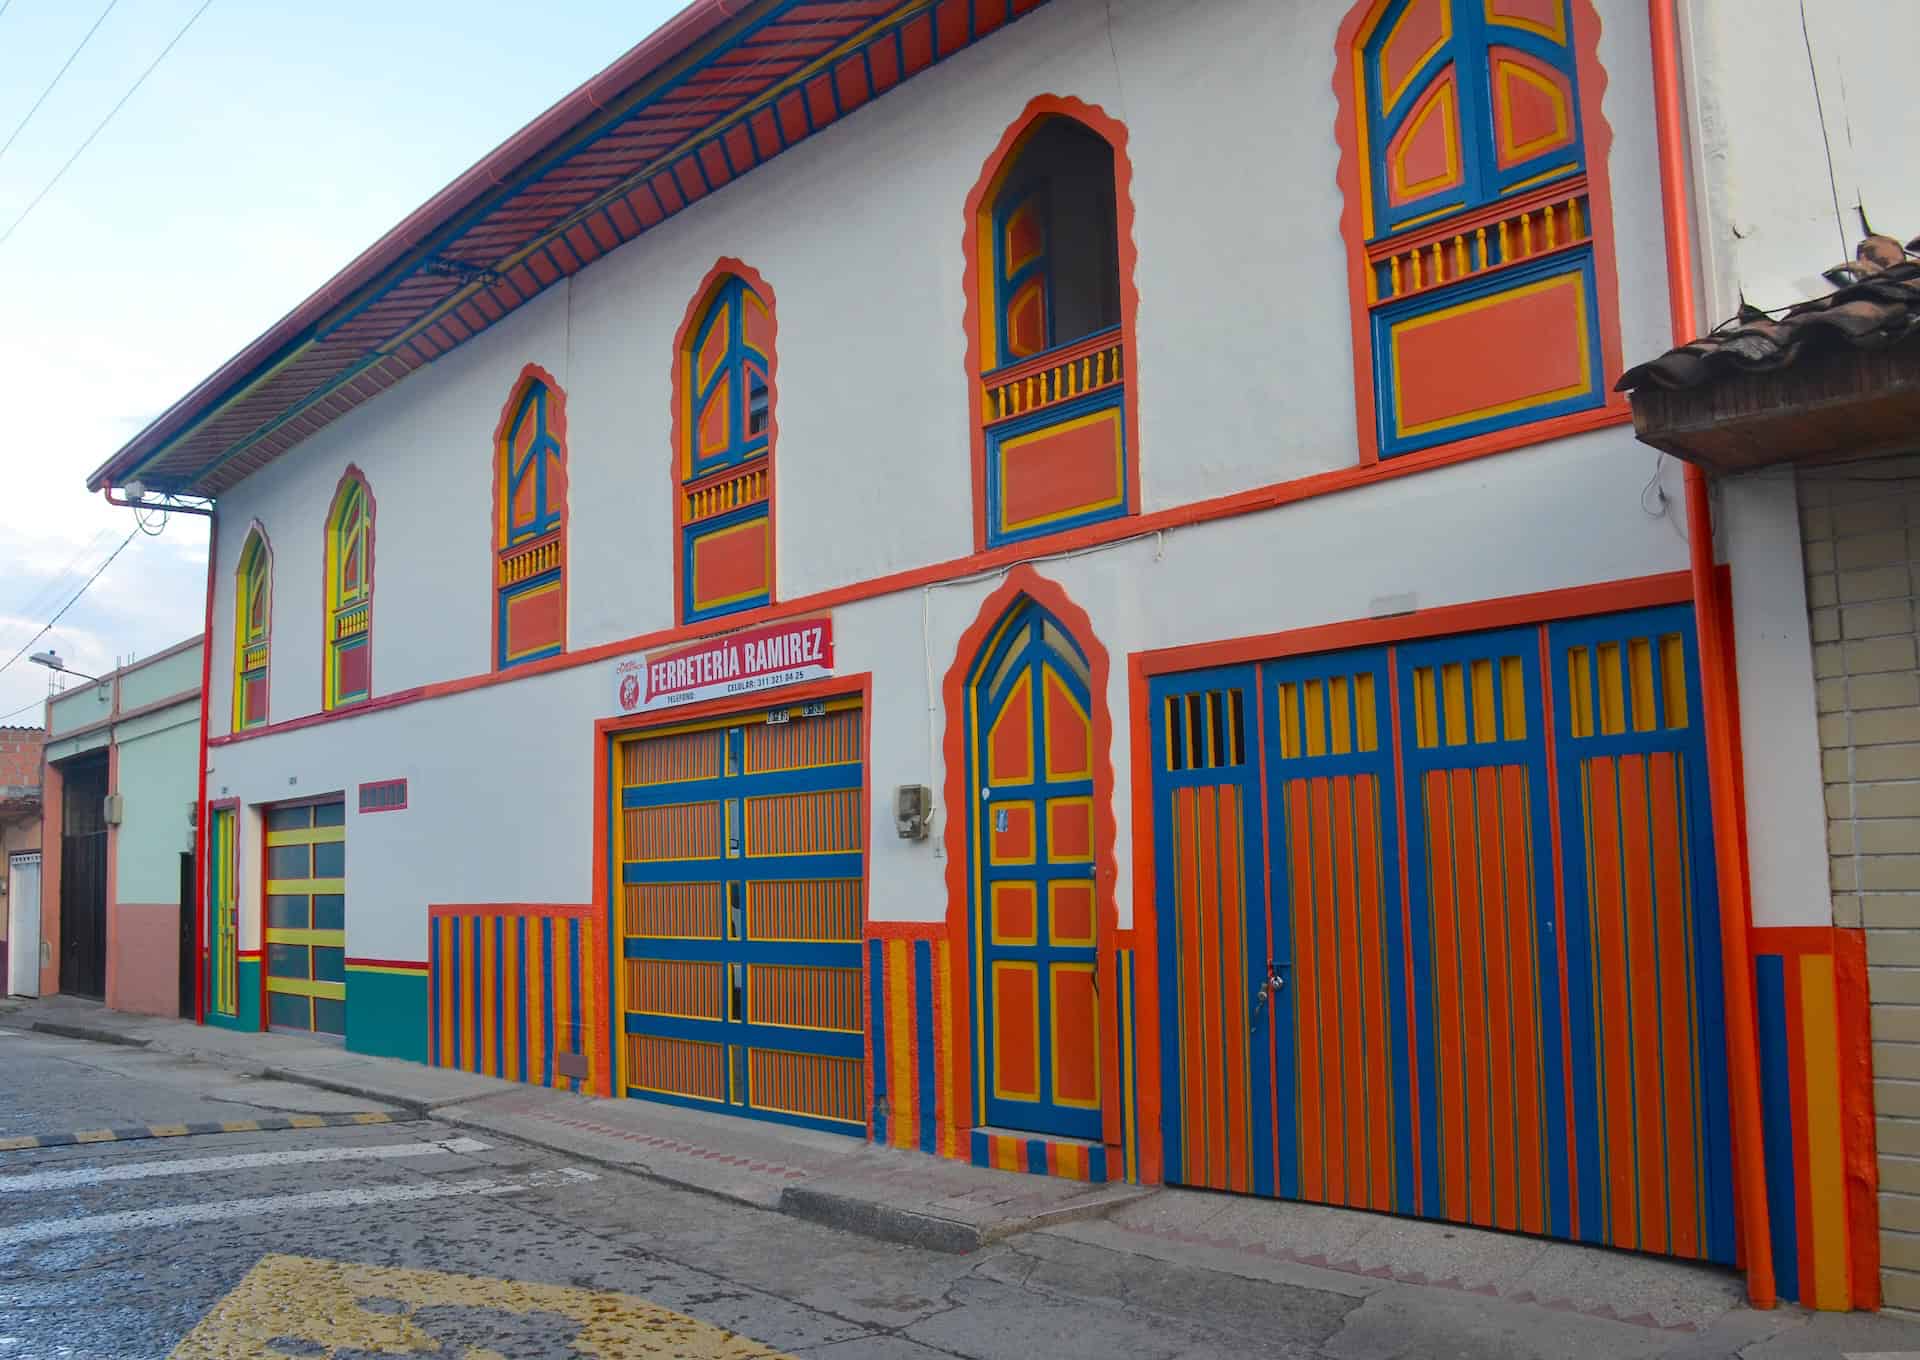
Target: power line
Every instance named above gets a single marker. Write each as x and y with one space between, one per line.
71 602
57 74
49 589
37 702
8 234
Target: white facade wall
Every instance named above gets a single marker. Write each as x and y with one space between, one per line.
1244 372
1784 167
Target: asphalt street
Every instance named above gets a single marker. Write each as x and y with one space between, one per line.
409 1237
412 1238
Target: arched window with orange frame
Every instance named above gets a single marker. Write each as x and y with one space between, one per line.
1478 222
724 430
1050 313
530 522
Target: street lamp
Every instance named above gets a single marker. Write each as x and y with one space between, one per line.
50 659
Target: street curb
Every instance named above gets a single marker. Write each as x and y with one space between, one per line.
128 1133
62 1030
447 1116
419 1109
883 1221
889 1223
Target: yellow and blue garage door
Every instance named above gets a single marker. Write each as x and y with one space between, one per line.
1438 935
740 848
306 918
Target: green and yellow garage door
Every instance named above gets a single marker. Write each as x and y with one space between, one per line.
740 843
306 917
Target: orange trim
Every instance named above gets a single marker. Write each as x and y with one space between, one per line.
557 427
979 208
1858 1154
1024 580
1791 941
906 930
1716 654
1149 1157
1198 512
725 268
1351 174
1511 611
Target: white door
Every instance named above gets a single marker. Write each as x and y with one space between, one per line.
23 925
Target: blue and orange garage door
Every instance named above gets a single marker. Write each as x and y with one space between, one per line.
740 846
1437 933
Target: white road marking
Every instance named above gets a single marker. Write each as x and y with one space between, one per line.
95 1225
241 1161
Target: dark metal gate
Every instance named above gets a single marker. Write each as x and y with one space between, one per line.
83 880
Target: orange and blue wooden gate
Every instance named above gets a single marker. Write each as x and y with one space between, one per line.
1030 836
1486 999
1643 936
1339 991
740 844
1466 965
1218 1056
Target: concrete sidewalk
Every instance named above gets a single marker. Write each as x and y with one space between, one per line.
1490 1285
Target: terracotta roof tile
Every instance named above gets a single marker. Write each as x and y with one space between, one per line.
1875 305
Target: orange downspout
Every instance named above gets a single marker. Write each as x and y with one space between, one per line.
1716 657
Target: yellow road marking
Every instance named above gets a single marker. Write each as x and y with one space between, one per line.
373 1119
299 1298
14 1144
95 1136
167 1130
240 1126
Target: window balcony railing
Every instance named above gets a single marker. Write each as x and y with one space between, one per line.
1483 243
525 563
1062 374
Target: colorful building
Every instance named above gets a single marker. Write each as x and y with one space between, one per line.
1100 615
117 835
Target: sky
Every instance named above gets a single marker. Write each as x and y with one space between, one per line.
273 144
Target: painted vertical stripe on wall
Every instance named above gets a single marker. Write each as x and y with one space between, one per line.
507 996
1817 1121
1776 1097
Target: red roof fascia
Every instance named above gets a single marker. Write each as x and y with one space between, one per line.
699 19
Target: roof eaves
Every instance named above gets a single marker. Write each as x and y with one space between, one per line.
664 45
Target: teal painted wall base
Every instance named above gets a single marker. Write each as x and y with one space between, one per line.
248 982
387 1013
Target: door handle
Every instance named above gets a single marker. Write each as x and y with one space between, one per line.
1269 988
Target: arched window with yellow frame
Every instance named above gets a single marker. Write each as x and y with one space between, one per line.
348 654
252 630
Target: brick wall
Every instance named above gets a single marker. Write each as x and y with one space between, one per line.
1860 525
20 756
